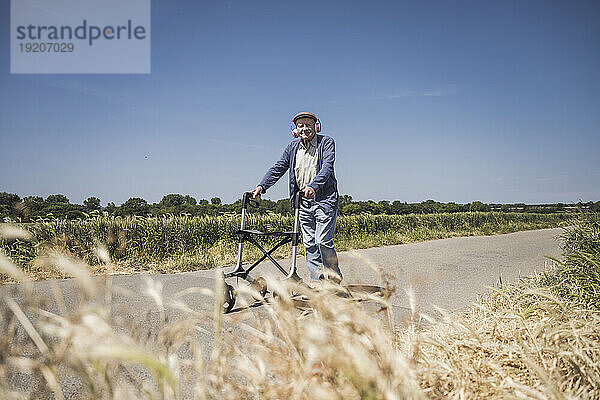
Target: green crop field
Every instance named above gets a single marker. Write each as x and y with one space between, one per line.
183 243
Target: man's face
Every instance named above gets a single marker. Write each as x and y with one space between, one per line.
305 127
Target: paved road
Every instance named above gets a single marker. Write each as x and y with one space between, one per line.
448 273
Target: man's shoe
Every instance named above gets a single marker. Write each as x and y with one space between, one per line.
333 277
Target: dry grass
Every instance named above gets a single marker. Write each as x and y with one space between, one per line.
524 341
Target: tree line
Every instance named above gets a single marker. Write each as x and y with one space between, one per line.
32 208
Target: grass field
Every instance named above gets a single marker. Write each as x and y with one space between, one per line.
173 244
536 339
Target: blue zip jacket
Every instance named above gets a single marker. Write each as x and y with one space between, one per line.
325 184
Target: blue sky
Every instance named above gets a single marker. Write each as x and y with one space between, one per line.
452 101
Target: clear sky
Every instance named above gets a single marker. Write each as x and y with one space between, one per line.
451 101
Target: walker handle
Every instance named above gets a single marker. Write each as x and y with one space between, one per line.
300 201
247 199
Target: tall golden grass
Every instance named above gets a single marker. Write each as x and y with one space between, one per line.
531 340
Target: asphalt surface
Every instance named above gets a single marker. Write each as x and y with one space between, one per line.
447 273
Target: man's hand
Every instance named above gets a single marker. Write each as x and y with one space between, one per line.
256 192
309 192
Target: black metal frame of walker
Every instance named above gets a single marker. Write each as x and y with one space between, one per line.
247 235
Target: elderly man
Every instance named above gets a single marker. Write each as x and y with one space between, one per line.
309 159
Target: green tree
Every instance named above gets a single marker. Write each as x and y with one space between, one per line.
33 206
215 200
33 199
428 207
11 206
344 200
4 211
352 208
478 206
111 208
283 207
453 207
384 207
134 206
189 200
172 200
9 199
400 207
92 203
57 199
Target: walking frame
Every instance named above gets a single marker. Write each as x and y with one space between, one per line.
248 235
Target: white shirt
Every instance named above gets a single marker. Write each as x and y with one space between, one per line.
306 163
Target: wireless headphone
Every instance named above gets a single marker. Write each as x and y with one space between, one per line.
302 115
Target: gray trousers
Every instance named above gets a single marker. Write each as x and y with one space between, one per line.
318 228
